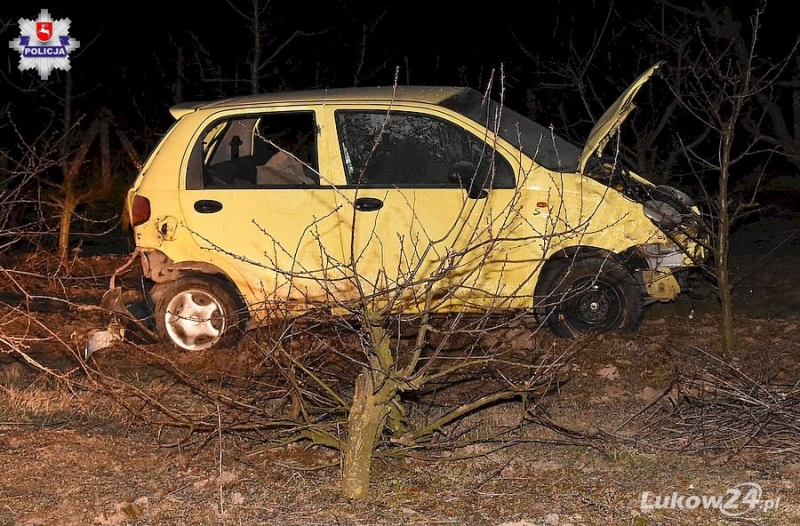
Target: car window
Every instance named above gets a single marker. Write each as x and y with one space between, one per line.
404 149
537 141
273 150
212 138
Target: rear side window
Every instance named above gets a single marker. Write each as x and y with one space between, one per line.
273 150
404 149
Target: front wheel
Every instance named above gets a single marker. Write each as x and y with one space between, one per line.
593 295
199 312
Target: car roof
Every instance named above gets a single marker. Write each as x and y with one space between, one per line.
373 94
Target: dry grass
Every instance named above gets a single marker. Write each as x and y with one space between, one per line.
81 447
520 469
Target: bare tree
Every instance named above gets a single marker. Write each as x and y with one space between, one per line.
726 77
77 184
22 218
374 341
389 336
367 30
770 122
379 309
566 84
87 173
268 43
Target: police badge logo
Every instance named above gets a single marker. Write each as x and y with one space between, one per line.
44 44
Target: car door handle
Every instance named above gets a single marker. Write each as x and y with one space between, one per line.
207 206
368 204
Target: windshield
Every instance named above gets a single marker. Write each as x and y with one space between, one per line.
535 140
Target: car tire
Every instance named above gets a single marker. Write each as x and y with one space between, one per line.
196 313
591 296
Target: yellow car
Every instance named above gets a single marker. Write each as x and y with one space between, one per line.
405 199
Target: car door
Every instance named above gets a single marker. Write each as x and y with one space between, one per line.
425 208
259 209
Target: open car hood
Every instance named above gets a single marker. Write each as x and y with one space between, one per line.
613 118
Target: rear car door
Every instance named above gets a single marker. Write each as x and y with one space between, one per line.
259 207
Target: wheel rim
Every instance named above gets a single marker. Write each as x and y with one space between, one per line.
592 306
194 320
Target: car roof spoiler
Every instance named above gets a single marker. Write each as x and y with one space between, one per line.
179 110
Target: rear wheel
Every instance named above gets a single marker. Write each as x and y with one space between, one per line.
591 296
195 313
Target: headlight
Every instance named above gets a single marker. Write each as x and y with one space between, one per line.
675 195
683 198
662 214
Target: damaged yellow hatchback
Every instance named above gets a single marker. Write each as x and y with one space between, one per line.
403 199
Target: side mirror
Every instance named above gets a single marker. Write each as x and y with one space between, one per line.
466 175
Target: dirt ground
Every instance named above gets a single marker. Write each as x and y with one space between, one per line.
640 416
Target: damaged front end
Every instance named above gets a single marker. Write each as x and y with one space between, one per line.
683 244
665 262
668 265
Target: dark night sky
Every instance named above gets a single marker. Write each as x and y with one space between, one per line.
137 43
130 35
128 49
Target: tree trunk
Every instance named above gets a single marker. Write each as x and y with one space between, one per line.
723 247
364 424
105 158
65 217
372 402
725 294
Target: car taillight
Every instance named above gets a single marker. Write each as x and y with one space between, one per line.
140 211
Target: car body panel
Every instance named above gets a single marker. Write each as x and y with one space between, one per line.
608 124
290 248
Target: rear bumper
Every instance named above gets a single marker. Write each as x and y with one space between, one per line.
135 317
